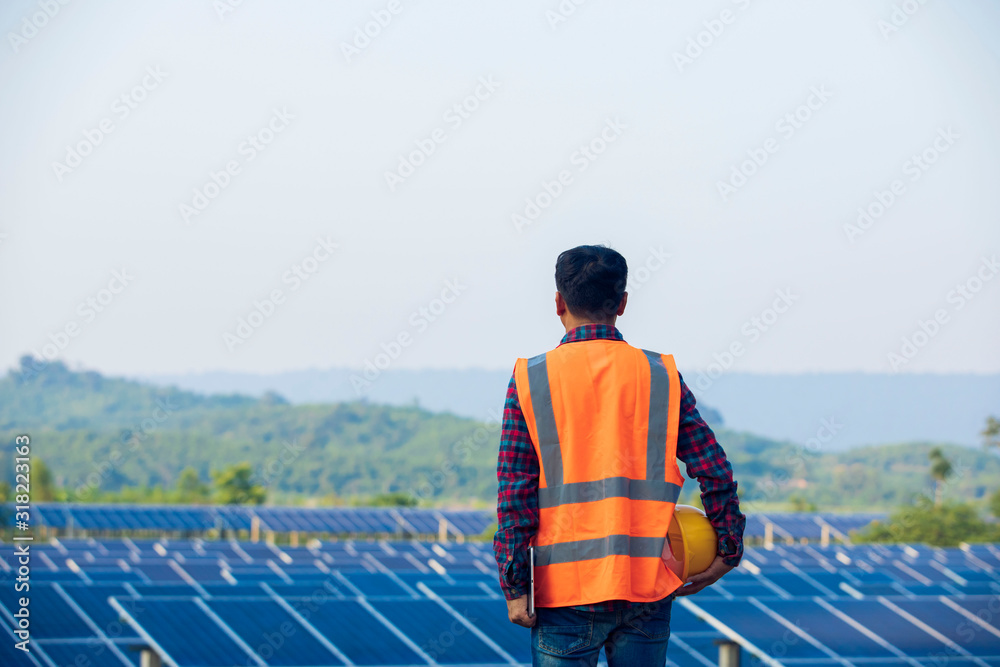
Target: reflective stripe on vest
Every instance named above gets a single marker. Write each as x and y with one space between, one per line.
555 492
612 545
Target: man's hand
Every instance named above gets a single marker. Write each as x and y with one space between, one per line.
517 612
696 582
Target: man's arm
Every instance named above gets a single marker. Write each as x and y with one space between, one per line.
706 461
517 498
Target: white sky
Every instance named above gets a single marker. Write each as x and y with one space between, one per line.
654 187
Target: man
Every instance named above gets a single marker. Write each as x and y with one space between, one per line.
588 475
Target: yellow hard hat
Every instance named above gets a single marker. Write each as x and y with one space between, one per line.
691 544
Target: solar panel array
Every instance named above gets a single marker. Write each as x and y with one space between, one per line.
367 520
205 603
104 518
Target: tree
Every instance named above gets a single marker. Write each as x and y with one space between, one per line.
234 486
944 525
394 499
43 489
991 434
800 504
941 470
995 503
190 488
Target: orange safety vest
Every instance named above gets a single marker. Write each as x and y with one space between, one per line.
603 417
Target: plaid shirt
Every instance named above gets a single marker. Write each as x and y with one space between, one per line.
518 471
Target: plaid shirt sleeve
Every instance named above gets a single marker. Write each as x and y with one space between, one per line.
517 498
707 462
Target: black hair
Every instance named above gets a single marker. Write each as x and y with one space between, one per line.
591 279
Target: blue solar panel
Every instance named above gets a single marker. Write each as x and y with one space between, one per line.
188 635
490 616
91 654
792 583
893 628
359 635
159 572
93 600
827 628
61 620
113 575
758 628
318 590
375 583
428 625
273 634
951 624
228 591
10 655
178 589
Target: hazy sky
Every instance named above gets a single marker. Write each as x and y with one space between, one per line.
834 111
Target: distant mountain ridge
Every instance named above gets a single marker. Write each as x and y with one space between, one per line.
100 434
870 409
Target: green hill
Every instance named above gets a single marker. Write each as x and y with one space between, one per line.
100 434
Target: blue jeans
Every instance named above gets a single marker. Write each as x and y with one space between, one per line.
632 637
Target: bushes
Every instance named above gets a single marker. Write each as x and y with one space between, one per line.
944 525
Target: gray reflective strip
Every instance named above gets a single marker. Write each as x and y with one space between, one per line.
659 400
611 487
601 547
545 420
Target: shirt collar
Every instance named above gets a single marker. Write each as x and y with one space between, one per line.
592 332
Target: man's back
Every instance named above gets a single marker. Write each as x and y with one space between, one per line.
603 420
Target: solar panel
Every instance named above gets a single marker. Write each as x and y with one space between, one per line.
829 629
359 635
187 634
966 634
891 627
375 583
159 572
756 627
273 634
61 620
93 600
176 589
90 653
490 616
446 640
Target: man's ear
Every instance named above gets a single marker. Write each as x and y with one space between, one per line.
621 306
560 305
